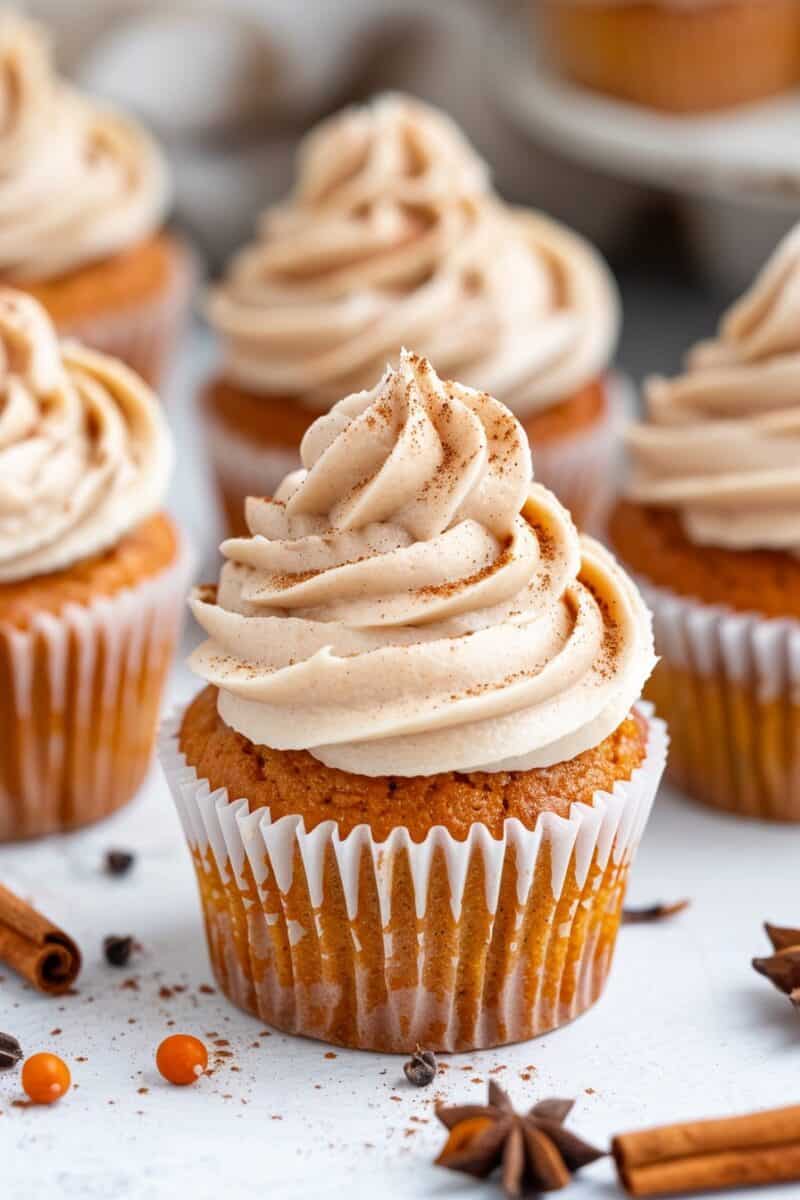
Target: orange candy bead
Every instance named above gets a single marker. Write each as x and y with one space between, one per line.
181 1059
45 1078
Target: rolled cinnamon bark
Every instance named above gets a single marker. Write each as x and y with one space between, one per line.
758 1148
35 947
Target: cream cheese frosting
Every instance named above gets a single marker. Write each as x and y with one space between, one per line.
393 235
721 443
78 181
85 453
410 603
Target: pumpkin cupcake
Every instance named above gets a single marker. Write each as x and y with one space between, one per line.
393 235
677 56
711 525
83 195
92 576
416 779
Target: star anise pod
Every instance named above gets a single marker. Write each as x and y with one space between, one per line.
534 1152
783 967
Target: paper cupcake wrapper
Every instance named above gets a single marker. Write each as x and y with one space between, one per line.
451 944
79 703
143 335
728 685
580 469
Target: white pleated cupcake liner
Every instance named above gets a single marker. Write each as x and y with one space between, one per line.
79 704
728 685
581 468
452 965
143 335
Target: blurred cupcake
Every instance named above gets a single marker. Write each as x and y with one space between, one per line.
415 782
679 56
92 576
711 525
391 236
83 195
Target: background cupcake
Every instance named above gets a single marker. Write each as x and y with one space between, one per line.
676 55
393 236
83 196
711 524
92 576
415 783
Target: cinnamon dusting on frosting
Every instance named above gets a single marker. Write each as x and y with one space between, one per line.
393 627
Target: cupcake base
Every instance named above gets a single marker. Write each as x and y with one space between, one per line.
80 690
253 443
132 307
729 685
674 57
728 682
380 945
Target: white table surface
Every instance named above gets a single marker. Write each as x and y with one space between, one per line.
685 1029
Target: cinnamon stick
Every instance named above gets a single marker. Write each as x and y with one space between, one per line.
35 947
759 1148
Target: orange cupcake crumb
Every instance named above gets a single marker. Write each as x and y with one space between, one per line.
115 283
294 782
142 553
652 542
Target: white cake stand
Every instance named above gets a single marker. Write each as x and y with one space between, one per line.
736 174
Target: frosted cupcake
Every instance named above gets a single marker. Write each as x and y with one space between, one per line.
680 56
92 576
711 525
393 235
416 779
83 196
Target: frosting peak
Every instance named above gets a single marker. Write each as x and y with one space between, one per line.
85 453
78 182
410 603
721 443
393 235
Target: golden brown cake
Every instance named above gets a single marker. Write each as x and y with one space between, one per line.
711 527
677 56
91 576
414 783
654 544
393 235
294 782
84 194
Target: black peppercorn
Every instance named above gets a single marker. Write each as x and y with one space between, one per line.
10 1052
118 862
420 1068
117 950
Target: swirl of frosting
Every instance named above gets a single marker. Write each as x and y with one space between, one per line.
721 443
411 603
85 453
77 182
393 236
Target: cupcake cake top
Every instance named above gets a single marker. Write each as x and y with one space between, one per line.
721 442
85 453
78 182
411 603
393 235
